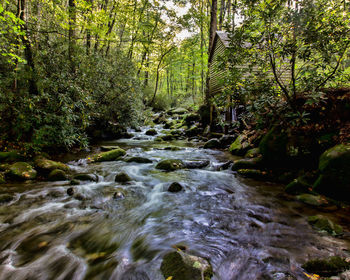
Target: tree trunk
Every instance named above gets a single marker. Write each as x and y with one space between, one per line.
71 33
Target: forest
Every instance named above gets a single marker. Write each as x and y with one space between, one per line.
175 139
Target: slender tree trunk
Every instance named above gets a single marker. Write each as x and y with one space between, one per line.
71 33
88 31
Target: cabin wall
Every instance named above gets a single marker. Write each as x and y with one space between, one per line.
216 75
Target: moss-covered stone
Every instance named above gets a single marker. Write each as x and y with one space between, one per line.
273 146
181 266
139 160
253 173
326 267
312 200
57 175
46 165
109 156
334 166
74 182
86 177
192 117
151 132
170 164
10 156
324 224
122 177
167 137
193 131
246 163
298 186
212 144
239 146
109 148
252 153
178 111
22 171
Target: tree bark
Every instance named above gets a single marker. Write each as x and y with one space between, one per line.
71 33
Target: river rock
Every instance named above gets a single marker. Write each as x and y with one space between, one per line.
253 173
212 144
57 175
2 178
180 266
172 148
109 156
191 118
169 124
46 165
252 153
139 160
246 163
298 186
74 182
170 164
222 166
122 177
312 200
109 148
160 119
326 267
86 177
193 131
177 111
10 156
22 171
175 187
167 137
334 166
273 146
226 140
151 132
193 164
322 223
239 146
5 198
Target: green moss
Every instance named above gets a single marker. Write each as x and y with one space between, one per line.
252 173
212 144
122 178
324 224
326 267
170 164
57 175
22 171
246 163
109 156
239 146
47 165
298 186
312 200
252 153
10 156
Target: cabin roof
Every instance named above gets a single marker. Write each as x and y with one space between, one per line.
223 37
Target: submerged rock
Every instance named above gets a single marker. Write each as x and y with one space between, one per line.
322 223
139 160
334 166
326 267
109 156
212 144
193 164
57 175
170 164
46 165
175 187
180 266
122 177
22 171
151 132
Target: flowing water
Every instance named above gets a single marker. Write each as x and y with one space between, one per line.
246 229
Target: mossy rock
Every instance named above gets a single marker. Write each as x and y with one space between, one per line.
170 164
167 137
212 144
273 146
10 156
181 266
192 117
312 200
109 156
298 186
239 146
324 224
57 175
86 177
139 160
178 111
326 267
109 148
334 166
151 132
22 171
46 165
253 173
169 124
252 153
246 163
175 187
122 177
193 131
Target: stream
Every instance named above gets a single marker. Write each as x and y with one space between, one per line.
246 229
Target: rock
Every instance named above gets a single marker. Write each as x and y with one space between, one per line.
160 119
122 177
127 135
86 177
246 163
46 166
175 187
298 186
5 198
204 113
326 267
239 146
10 156
22 171
193 164
181 266
252 153
172 148
177 111
118 195
193 131
322 223
253 173
312 200
74 182
70 191
167 137
57 175
109 148
139 160
334 166
212 144
273 146
151 132
169 124
226 140
191 118
170 164
109 156
223 166
2 178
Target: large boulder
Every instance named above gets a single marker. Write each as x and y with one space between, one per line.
57 175
334 167
226 140
239 146
109 156
181 266
170 164
22 171
212 144
46 165
247 163
191 118
327 267
273 146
